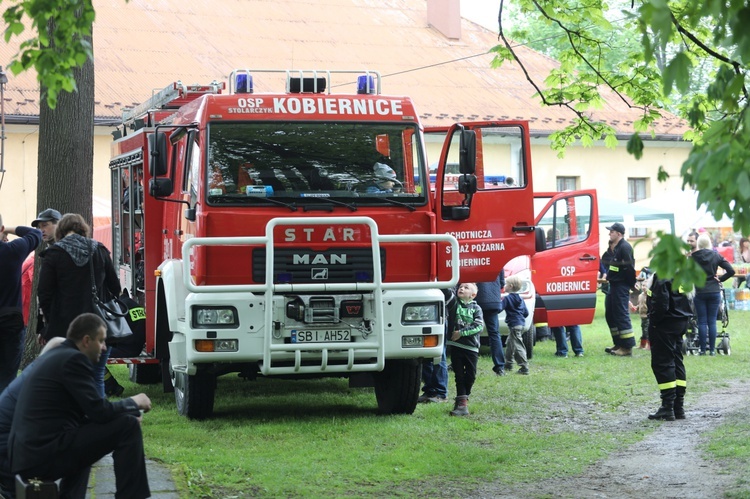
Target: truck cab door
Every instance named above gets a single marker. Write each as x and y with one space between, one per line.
565 270
487 205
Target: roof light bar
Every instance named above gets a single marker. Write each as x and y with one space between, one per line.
365 84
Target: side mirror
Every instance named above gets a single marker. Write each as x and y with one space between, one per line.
540 241
160 187
157 143
190 214
467 159
467 184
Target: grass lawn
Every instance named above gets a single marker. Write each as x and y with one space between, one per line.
318 438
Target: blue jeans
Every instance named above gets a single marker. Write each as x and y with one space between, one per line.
492 323
706 312
576 340
11 351
99 369
435 377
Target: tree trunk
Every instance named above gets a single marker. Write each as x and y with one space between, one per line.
65 172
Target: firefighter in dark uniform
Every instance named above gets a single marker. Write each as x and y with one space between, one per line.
668 312
619 265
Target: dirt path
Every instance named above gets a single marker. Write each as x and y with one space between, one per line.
666 464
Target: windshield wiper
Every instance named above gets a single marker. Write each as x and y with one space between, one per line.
227 199
392 201
311 206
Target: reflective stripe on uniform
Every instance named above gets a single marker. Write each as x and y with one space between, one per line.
614 332
627 334
667 385
681 382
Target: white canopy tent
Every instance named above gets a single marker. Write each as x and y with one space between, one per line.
687 214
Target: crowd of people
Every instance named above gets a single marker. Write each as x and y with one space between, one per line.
665 311
55 419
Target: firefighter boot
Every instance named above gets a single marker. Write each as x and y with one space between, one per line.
679 403
666 411
461 407
111 387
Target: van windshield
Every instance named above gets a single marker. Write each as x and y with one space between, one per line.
366 163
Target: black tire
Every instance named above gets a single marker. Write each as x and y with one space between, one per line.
145 374
529 339
194 395
397 386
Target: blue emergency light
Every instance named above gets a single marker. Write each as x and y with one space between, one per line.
365 84
244 83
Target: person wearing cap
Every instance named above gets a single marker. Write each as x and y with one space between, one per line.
384 180
619 263
46 221
12 330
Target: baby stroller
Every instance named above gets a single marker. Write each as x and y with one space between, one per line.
691 343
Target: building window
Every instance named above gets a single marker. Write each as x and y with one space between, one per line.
567 183
636 191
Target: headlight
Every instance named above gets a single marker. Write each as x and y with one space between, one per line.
218 317
421 313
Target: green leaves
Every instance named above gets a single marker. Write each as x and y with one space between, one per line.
635 146
62 42
677 73
668 260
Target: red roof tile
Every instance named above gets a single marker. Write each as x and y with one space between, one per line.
141 45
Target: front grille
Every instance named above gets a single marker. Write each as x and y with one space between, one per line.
335 265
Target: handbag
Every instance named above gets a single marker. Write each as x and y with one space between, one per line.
112 311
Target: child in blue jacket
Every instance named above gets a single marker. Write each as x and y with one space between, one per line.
515 315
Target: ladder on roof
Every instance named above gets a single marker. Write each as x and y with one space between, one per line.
171 96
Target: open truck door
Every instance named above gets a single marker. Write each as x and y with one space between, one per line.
566 265
484 195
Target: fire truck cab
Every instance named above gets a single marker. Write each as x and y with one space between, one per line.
280 229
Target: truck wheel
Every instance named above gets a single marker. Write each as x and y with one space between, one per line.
529 338
194 395
145 374
397 386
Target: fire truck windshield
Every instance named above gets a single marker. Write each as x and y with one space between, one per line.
302 162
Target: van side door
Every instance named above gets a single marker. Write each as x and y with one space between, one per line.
565 271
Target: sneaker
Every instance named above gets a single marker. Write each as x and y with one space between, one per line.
623 352
508 367
522 370
712 353
579 354
425 398
500 372
563 355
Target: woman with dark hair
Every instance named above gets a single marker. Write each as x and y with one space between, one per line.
65 280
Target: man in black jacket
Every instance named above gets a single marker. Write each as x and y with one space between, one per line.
62 425
619 264
12 332
668 314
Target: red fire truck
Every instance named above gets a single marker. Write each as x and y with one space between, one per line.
293 233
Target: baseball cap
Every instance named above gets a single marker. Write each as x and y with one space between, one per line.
617 226
48 215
